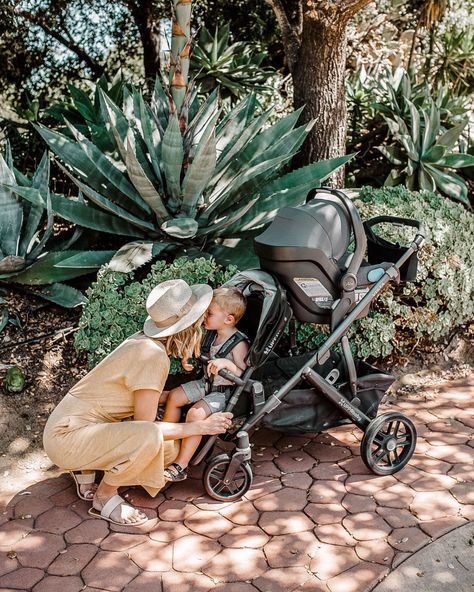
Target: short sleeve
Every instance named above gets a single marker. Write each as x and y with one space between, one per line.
146 366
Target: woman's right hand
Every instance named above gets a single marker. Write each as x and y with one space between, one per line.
217 423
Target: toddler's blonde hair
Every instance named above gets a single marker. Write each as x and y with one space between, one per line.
231 300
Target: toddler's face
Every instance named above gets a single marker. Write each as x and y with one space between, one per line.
215 318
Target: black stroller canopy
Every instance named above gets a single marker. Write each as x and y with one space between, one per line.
267 312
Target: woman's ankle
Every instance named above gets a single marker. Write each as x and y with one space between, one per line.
105 491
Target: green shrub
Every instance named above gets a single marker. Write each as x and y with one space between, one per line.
115 307
441 299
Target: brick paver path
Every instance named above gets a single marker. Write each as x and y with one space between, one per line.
315 519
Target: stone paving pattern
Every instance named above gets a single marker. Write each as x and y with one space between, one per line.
315 519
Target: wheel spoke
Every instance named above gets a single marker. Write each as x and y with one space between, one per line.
379 446
404 440
221 487
397 427
378 457
389 428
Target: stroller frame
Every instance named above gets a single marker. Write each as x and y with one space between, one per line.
227 478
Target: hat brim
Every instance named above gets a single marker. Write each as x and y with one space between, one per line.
203 294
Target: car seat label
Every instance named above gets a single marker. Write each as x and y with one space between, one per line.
315 290
360 293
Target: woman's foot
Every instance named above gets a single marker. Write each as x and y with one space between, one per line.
175 472
121 513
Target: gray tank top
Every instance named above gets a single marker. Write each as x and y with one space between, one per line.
219 380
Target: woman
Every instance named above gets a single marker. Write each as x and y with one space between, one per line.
86 431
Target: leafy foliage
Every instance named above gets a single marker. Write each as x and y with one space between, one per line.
423 153
14 381
26 237
452 63
115 307
186 181
392 114
442 298
236 69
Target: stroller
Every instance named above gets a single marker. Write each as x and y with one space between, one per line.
309 273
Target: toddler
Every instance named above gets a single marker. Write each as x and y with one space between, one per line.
211 394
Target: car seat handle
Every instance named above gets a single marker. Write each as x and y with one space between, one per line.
360 239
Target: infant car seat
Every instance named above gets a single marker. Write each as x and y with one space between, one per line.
308 249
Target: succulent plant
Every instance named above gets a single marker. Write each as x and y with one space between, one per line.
26 235
424 154
14 381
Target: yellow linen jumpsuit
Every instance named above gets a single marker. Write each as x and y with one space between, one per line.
86 432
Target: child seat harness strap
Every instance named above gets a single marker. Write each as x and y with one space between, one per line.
223 352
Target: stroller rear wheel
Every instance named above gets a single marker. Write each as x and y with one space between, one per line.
218 488
388 443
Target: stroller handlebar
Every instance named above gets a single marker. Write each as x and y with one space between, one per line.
224 373
420 236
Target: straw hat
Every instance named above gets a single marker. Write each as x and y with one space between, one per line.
174 306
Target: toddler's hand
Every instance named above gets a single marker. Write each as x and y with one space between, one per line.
214 366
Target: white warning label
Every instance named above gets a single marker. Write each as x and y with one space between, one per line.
360 293
315 290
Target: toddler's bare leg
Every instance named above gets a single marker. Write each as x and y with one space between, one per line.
175 400
197 412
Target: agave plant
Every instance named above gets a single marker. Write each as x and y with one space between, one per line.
183 184
26 237
181 174
236 69
84 112
452 62
423 153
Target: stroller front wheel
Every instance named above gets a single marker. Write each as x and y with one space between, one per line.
388 443
218 488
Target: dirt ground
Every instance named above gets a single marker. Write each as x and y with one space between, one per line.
44 348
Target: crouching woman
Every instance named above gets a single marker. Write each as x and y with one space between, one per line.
87 432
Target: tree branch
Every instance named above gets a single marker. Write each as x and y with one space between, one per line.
291 38
35 19
351 7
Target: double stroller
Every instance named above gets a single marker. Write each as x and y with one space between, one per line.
313 270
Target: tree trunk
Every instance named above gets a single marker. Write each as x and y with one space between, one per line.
318 77
149 28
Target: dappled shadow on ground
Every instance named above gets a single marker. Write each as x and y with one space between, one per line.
314 519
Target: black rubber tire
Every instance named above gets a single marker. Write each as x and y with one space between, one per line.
232 491
388 443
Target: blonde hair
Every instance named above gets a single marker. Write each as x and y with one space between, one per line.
231 300
187 343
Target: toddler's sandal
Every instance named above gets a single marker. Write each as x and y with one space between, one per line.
175 472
